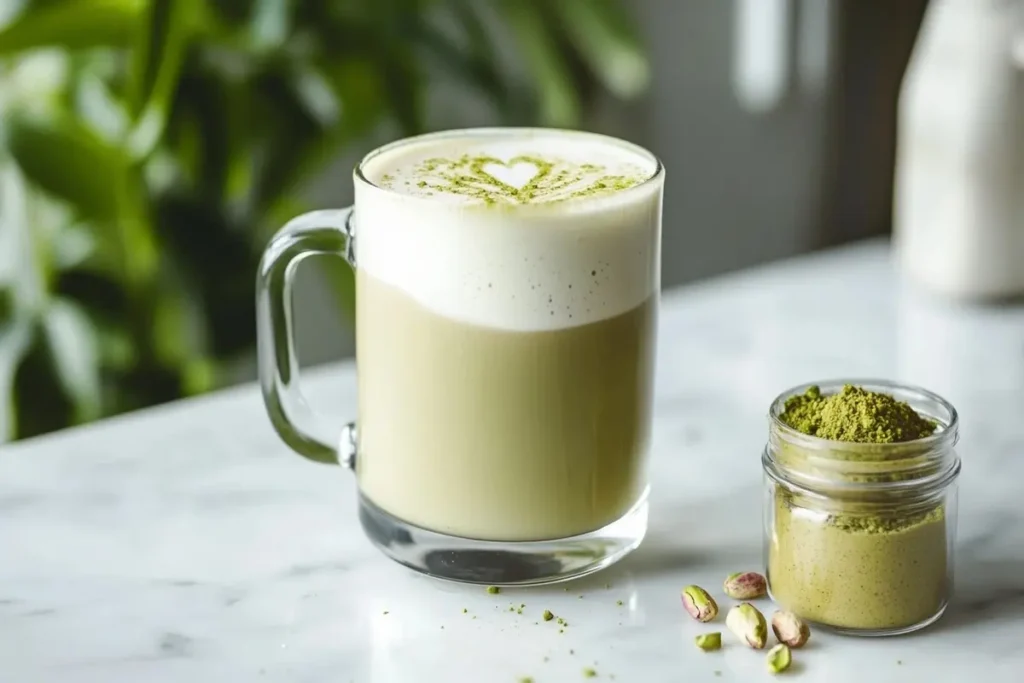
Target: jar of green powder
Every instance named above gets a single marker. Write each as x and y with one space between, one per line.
860 505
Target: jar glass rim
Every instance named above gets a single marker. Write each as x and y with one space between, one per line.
815 463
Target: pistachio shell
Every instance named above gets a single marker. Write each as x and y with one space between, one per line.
745 586
790 629
748 625
699 603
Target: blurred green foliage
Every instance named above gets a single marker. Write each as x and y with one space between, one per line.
147 148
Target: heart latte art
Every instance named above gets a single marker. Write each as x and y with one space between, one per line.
516 174
488 177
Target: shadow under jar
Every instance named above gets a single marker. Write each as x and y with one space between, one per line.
859 536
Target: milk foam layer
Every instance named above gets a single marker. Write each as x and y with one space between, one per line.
533 266
531 167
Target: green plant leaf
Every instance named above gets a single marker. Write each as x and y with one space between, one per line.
603 34
304 136
156 65
289 130
475 65
73 346
208 133
72 25
271 22
211 309
478 40
559 100
358 88
15 341
69 161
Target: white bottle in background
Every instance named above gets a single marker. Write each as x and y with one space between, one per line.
958 207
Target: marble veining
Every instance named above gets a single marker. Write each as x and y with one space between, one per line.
185 543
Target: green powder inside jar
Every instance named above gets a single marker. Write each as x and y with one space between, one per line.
855 415
875 562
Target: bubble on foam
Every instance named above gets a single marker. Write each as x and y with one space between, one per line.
511 270
532 168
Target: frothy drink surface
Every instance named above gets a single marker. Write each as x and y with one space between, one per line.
532 169
506 313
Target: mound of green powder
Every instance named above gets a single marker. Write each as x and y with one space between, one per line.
855 415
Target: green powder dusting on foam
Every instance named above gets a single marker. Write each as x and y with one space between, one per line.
554 180
855 415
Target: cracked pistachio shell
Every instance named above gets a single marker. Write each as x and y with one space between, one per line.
699 603
745 586
748 624
790 629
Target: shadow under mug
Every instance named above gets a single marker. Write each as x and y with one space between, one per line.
487 454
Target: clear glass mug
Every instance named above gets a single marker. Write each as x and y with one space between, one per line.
506 315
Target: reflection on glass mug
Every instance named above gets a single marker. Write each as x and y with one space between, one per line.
506 295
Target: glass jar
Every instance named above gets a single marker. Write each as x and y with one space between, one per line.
859 536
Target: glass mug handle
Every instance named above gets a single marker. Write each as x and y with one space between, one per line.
307 433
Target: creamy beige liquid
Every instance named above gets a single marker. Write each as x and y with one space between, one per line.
494 434
506 302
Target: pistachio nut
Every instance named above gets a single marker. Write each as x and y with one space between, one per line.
748 625
790 629
745 586
699 603
779 658
709 641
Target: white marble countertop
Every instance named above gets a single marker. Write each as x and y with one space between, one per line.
186 543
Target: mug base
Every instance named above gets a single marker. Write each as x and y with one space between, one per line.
503 563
